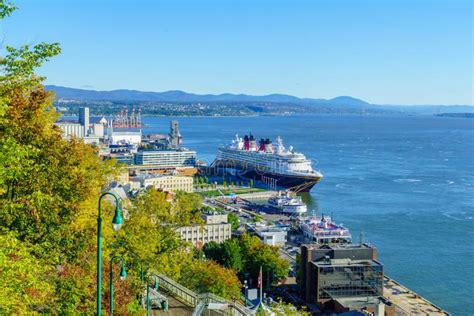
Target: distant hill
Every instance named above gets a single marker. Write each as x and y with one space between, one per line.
346 103
181 96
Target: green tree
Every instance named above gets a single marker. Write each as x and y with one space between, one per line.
25 279
246 255
48 187
213 251
233 220
256 255
150 239
232 257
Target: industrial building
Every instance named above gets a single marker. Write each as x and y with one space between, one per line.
166 158
215 229
91 130
84 119
340 273
71 130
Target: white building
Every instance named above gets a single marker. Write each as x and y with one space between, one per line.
271 235
216 229
165 182
134 138
97 130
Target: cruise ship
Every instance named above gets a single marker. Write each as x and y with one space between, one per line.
270 163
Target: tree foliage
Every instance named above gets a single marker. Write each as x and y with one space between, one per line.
246 255
150 238
25 286
209 276
49 188
233 220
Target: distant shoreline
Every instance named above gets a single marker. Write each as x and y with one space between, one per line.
456 115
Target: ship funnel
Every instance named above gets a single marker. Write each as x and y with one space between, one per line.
262 145
252 143
246 143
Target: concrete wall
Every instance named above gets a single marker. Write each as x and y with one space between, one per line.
215 218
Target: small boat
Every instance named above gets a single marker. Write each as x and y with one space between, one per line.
288 204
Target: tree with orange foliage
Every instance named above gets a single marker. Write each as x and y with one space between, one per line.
209 276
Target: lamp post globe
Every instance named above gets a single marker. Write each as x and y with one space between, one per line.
117 221
123 272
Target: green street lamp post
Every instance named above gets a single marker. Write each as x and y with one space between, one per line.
155 286
123 276
117 222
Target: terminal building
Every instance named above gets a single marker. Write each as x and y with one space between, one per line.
166 158
216 228
336 277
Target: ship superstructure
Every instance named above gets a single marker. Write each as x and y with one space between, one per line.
268 162
323 230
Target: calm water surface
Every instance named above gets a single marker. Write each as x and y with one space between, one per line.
406 182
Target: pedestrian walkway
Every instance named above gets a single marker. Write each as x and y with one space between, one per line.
175 308
183 301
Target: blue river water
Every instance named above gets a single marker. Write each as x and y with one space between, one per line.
407 182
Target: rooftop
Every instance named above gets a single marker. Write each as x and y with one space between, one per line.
346 262
144 176
357 301
152 152
339 246
119 133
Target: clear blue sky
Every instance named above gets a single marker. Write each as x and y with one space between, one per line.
383 51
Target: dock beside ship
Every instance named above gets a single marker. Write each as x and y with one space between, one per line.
409 302
398 300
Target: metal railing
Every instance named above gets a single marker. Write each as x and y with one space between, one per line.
201 301
154 296
184 294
